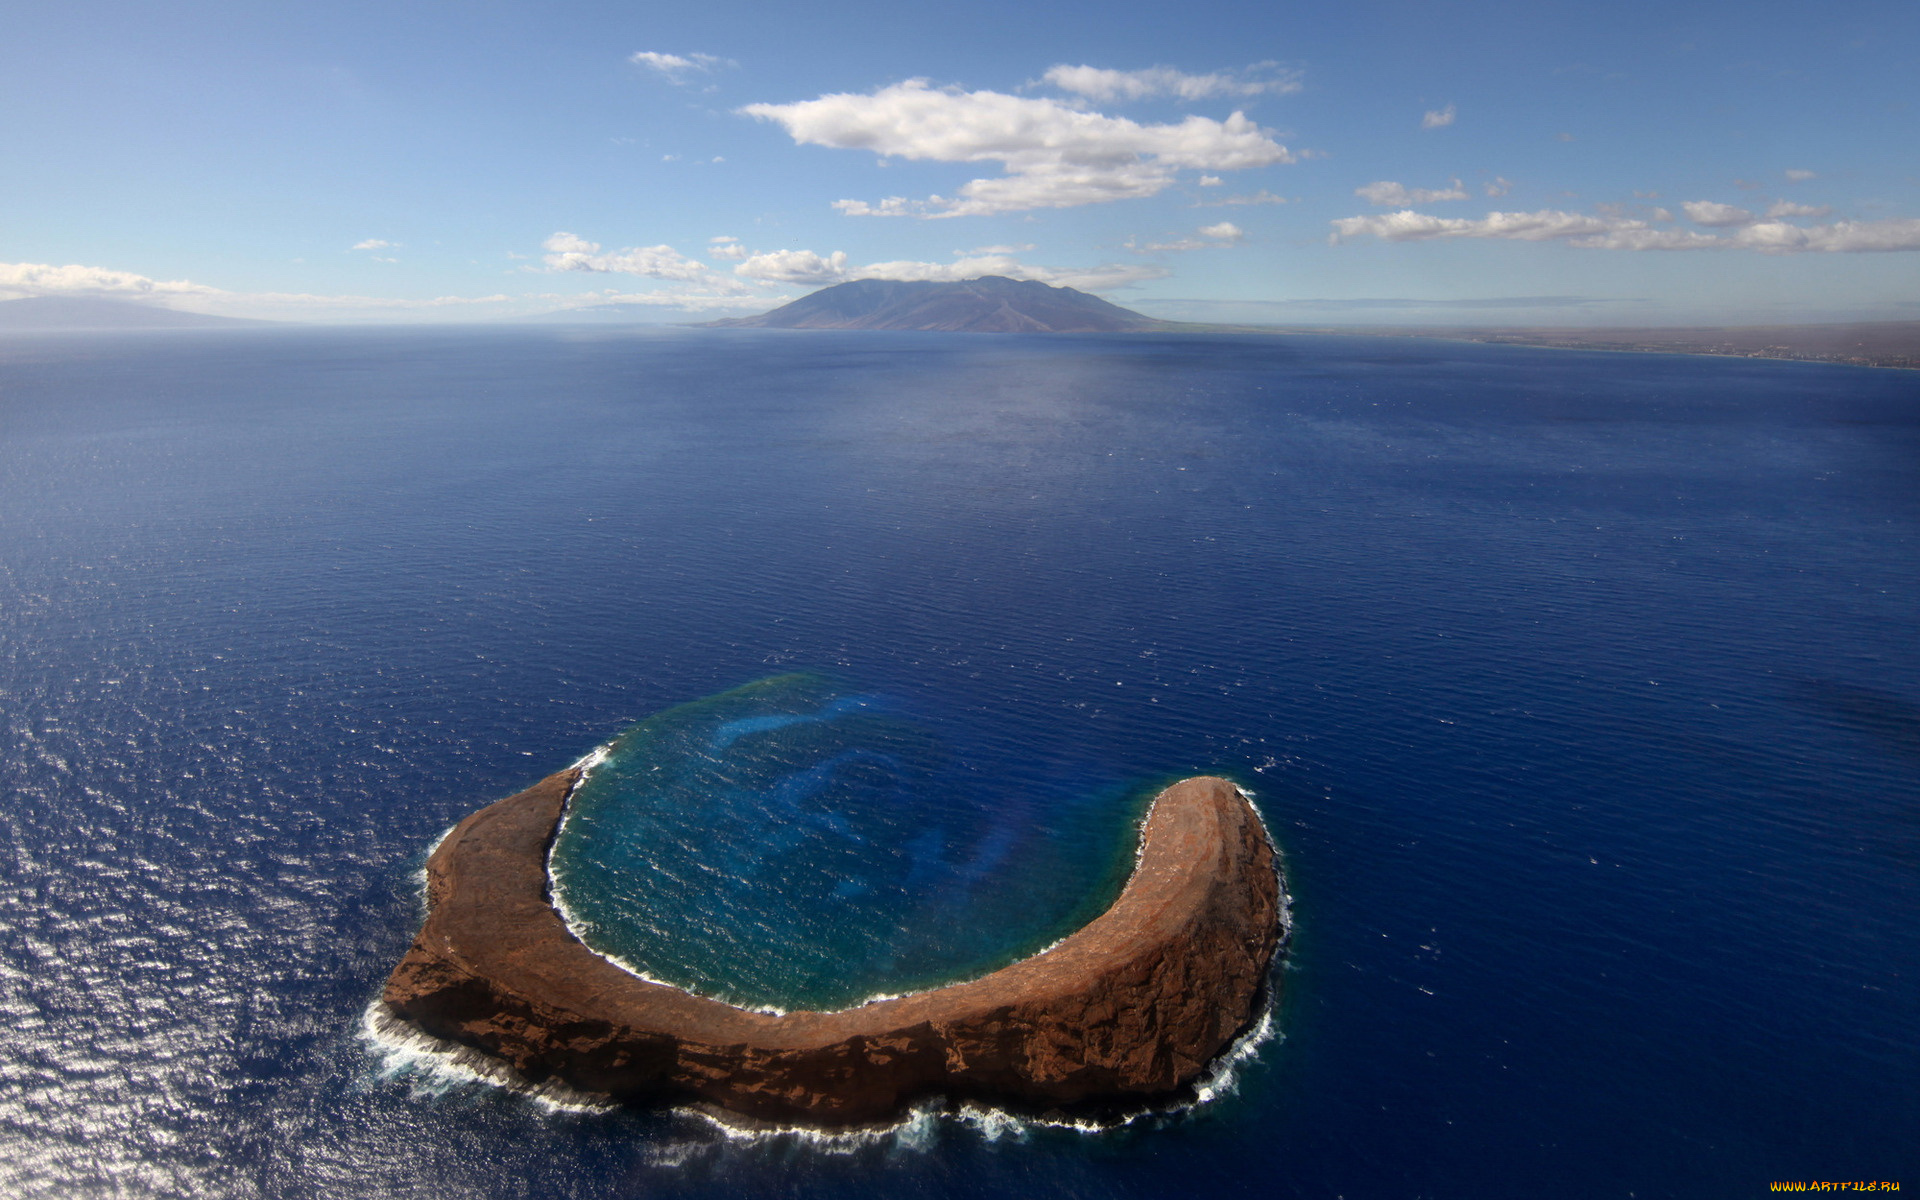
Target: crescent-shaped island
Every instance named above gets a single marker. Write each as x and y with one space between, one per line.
1133 1005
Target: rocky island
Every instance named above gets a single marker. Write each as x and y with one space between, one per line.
1132 1005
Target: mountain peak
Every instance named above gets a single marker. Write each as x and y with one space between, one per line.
988 304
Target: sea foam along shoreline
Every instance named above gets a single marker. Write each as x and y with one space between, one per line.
433 1067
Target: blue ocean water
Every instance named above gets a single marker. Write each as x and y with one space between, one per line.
1579 691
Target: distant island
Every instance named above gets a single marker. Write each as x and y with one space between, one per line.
989 304
88 314
1132 1006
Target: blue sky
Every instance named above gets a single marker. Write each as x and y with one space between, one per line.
1279 162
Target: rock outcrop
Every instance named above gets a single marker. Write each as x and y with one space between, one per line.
1132 1005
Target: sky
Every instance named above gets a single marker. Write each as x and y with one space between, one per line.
1267 162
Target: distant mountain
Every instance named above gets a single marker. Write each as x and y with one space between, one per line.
989 304
79 313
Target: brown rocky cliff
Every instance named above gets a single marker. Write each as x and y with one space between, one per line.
1134 1004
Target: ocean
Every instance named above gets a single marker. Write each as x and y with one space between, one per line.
1580 692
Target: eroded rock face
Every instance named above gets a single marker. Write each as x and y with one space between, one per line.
1132 1005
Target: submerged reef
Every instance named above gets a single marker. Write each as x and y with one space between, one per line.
1132 1005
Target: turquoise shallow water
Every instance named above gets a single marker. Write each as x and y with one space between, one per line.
793 843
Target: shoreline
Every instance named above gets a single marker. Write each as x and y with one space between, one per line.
1881 345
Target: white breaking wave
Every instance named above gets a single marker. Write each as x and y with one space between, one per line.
919 1128
420 875
1286 896
590 760
431 1067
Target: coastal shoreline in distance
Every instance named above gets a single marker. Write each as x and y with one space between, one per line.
1894 344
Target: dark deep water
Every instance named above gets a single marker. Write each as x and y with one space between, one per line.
1581 692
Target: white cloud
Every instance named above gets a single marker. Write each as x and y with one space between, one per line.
676 67
1100 83
1263 196
892 206
708 293
1625 233
1088 279
1715 216
1437 118
1103 278
19 280
1499 187
1786 208
1637 235
727 295
1226 233
305 300
1054 156
1211 181
1796 175
43 279
22 280
569 252
819 270
565 252
1393 195
375 244
1843 237
1409 226
795 266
